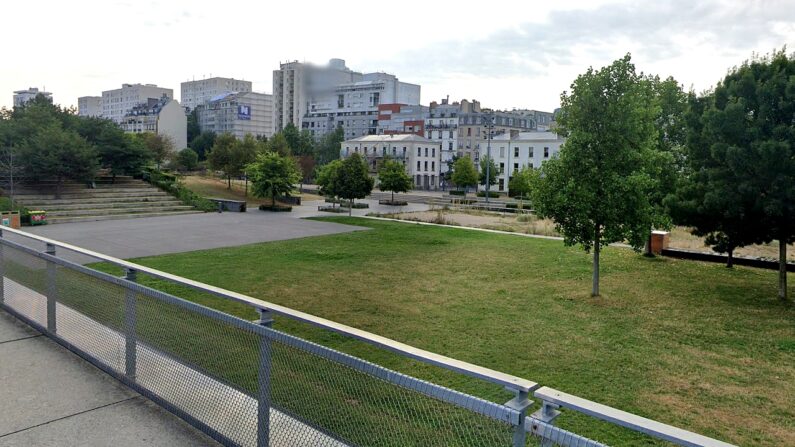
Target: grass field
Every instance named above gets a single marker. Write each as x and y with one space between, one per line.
214 187
692 344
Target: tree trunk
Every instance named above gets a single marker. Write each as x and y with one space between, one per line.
597 240
782 269
350 207
273 200
393 197
730 258
228 182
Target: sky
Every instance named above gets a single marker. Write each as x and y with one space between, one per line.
508 54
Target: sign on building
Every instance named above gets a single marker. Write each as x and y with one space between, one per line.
243 112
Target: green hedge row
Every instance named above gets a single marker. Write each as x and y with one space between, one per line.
169 183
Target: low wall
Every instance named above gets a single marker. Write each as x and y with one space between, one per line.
717 257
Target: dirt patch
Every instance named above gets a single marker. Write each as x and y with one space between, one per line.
514 223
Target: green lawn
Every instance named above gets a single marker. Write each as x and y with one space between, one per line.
691 344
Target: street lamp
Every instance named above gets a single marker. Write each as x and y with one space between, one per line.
489 126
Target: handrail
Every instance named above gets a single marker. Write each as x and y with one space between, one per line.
640 424
512 382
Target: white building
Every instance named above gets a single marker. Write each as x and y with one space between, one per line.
117 103
89 106
23 96
442 125
420 156
514 150
195 93
163 117
238 114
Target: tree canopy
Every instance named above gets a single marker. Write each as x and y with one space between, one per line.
353 179
487 164
393 177
598 190
464 174
273 175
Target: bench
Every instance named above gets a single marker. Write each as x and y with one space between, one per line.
236 206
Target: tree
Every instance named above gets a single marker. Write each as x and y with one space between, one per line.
278 143
231 156
202 144
160 146
353 180
187 159
745 158
327 178
273 175
393 177
487 163
329 148
193 126
59 154
292 137
121 153
464 174
597 191
522 183
306 163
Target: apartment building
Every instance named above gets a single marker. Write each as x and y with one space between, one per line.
514 150
195 93
118 102
162 116
420 156
89 106
442 125
543 120
238 114
402 118
23 96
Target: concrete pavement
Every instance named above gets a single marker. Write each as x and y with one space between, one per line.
51 397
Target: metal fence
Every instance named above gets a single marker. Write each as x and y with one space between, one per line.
245 383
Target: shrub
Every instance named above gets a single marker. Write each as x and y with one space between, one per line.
492 194
169 183
456 192
276 207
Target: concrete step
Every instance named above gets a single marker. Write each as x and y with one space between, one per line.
84 205
99 200
108 211
92 218
100 190
92 195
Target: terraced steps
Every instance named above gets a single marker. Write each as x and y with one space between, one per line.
127 198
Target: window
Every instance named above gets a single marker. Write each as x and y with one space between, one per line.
515 167
502 168
426 165
404 151
502 184
433 177
546 152
426 151
531 152
450 145
418 165
531 165
394 151
469 131
419 151
440 134
516 152
433 152
433 166
502 152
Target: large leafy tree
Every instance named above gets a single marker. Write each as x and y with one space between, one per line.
231 156
160 147
327 178
273 175
353 179
279 143
187 159
522 182
292 137
393 177
598 190
464 174
119 152
202 144
193 126
743 158
59 154
329 148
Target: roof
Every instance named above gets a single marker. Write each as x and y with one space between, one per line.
529 136
405 137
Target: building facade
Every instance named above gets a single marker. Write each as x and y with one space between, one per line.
402 118
513 151
238 114
420 156
23 96
543 120
89 106
164 117
195 93
118 102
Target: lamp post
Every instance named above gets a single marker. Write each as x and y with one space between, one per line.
489 127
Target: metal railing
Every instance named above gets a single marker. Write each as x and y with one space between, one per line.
246 383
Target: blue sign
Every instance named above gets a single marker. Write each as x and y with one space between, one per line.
243 112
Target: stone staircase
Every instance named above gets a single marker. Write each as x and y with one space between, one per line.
125 198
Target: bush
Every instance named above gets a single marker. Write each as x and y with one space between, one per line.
492 194
391 203
169 183
455 192
332 209
275 208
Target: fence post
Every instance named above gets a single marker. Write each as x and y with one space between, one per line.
130 319
548 413
52 290
2 273
520 403
264 381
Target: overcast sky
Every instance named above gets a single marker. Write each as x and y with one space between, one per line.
507 54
